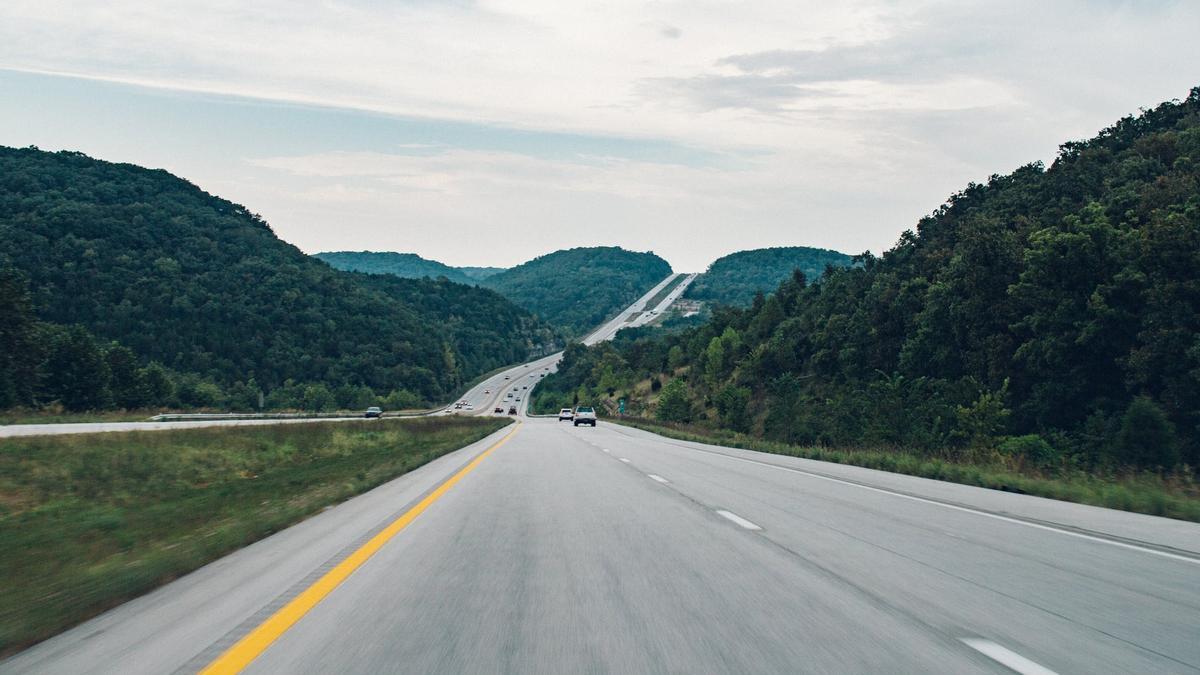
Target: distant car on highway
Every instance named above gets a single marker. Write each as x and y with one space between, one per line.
524 387
512 410
499 410
585 415
566 414
373 411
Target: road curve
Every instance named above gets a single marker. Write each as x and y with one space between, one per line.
614 550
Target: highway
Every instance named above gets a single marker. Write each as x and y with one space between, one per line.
601 550
547 548
485 397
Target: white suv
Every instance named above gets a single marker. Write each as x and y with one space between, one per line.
585 415
566 414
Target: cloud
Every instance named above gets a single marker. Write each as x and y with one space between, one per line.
696 127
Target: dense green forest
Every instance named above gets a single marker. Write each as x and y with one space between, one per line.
407 265
735 279
1051 316
123 286
579 288
479 273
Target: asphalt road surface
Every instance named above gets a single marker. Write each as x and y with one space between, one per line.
611 550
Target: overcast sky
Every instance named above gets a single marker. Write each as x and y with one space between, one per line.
484 133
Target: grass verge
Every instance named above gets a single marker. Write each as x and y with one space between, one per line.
1172 497
89 521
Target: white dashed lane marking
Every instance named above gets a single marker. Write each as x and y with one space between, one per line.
741 522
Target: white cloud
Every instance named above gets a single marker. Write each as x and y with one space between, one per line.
851 118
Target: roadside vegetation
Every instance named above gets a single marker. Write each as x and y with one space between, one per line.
1045 324
90 521
1172 495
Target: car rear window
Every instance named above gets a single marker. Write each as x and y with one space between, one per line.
584 410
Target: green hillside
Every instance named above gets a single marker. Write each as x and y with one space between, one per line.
1047 320
735 279
579 288
479 273
407 265
203 291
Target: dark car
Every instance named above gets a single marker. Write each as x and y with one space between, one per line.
373 411
512 410
499 410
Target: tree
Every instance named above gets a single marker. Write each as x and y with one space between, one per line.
74 372
1147 437
157 383
317 398
18 352
731 404
673 405
125 381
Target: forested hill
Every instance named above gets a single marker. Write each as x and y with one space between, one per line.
479 273
735 278
203 287
407 265
579 288
1049 316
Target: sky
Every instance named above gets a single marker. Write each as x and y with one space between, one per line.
489 132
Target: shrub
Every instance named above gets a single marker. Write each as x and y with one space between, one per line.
1147 437
1032 447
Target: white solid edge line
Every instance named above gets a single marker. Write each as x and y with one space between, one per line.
657 478
964 509
741 522
624 460
1007 657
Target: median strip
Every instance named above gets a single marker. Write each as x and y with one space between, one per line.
260 638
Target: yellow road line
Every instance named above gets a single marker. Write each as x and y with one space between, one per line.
256 641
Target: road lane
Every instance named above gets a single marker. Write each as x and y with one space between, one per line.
1077 606
591 567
